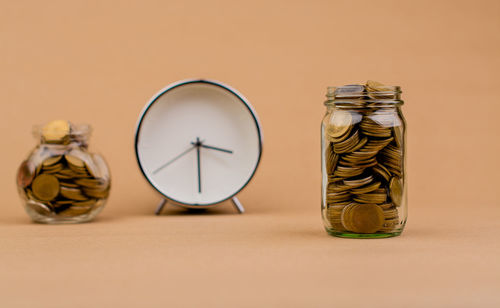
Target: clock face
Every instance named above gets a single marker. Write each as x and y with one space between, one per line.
198 142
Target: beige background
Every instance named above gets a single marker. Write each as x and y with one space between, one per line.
99 62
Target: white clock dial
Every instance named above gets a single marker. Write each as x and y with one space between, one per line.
198 119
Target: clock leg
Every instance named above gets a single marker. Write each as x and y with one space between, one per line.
160 206
238 205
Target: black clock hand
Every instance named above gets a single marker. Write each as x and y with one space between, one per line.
213 148
199 167
174 159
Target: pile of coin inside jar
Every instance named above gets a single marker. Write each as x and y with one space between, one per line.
62 179
364 162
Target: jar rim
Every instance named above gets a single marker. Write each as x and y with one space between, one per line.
353 91
361 96
80 131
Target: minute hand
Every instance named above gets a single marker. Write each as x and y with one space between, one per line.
173 159
214 148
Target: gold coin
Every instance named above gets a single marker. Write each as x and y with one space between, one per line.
359 182
72 193
348 144
377 196
396 191
51 161
330 158
372 85
92 183
98 194
345 217
391 213
330 197
347 172
38 207
366 189
25 174
398 135
386 206
336 187
68 184
361 143
339 123
53 169
366 218
332 216
382 171
74 161
56 131
45 187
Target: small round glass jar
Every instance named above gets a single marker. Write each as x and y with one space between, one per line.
61 181
363 162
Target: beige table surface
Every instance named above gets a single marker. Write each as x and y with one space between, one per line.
99 62
258 259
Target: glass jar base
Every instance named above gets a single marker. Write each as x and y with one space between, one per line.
58 220
345 234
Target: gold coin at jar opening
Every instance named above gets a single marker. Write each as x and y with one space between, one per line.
396 191
366 218
372 85
45 187
25 174
350 91
56 131
340 124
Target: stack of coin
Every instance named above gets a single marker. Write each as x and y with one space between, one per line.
65 186
364 164
66 182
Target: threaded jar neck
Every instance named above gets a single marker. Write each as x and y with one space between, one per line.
362 96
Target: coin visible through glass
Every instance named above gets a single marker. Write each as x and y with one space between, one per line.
364 146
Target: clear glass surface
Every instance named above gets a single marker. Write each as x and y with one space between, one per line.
63 182
364 187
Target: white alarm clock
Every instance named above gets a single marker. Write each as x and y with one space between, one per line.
198 142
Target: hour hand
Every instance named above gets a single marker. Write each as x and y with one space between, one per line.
213 148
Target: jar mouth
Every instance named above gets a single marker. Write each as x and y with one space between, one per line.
77 132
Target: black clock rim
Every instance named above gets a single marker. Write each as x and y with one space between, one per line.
183 83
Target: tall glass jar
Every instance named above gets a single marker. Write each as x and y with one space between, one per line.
363 161
61 181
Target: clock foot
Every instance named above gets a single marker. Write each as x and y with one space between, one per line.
238 205
160 206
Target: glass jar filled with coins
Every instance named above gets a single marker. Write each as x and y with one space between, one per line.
363 161
61 181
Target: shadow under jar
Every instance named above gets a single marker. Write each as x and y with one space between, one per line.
363 162
61 181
